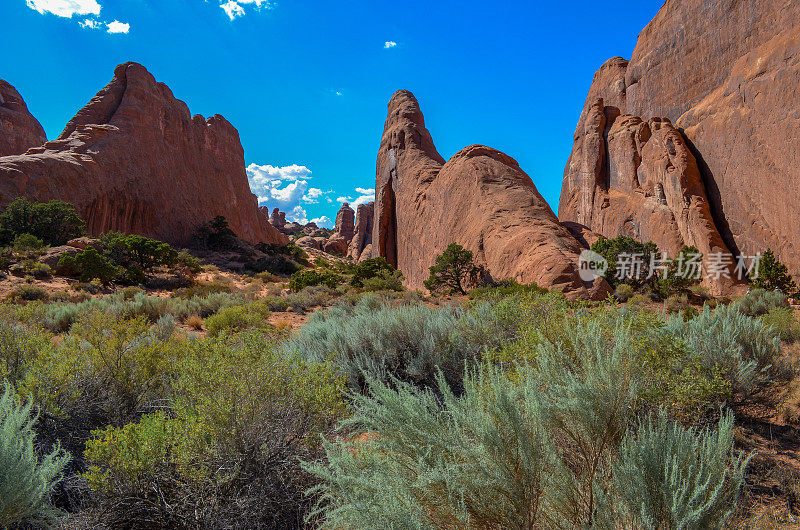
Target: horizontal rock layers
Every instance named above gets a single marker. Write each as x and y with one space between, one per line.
135 160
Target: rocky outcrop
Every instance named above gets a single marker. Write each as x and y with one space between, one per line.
345 223
362 238
723 77
19 130
135 160
335 245
480 199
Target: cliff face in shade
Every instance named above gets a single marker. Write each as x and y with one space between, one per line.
135 160
19 130
480 199
726 74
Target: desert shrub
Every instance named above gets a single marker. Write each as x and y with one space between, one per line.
195 322
676 302
238 318
308 297
612 249
277 264
367 269
35 269
226 455
668 476
677 277
624 292
130 250
384 280
204 289
504 289
310 277
701 291
773 275
453 271
189 262
639 300
741 348
408 342
217 235
53 222
26 480
492 458
89 265
760 301
782 320
19 346
27 245
28 293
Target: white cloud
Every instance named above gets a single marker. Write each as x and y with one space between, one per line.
339 93
292 172
323 222
389 44
90 23
366 191
365 195
118 27
312 195
234 9
65 8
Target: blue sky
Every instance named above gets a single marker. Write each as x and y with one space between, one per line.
306 82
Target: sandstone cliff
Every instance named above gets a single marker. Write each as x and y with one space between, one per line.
19 130
135 160
727 76
480 199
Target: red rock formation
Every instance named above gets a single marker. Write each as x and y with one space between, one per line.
345 223
727 74
480 199
19 130
363 233
277 219
134 159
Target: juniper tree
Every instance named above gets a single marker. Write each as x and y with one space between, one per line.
453 270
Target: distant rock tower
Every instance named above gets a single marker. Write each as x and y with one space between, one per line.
345 223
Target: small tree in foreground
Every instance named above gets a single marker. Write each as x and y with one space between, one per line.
453 271
772 274
25 480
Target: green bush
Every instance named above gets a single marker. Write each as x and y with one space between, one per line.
26 480
53 222
369 268
238 318
225 455
385 280
782 320
28 293
130 250
624 292
761 301
27 245
453 271
504 289
611 249
310 277
89 265
676 302
668 476
675 280
774 275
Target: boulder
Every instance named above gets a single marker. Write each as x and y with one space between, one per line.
335 245
52 255
727 75
309 242
19 130
81 243
135 160
362 237
480 199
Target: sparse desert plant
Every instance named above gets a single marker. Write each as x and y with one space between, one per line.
28 293
26 480
238 318
624 292
639 300
384 280
668 476
759 302
504 289
195 322
782 320
369 268
676 302
453 271
283 325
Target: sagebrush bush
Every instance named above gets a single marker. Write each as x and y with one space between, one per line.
782 320
624 292
26 480
407 342
668 476
760 301
741 348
